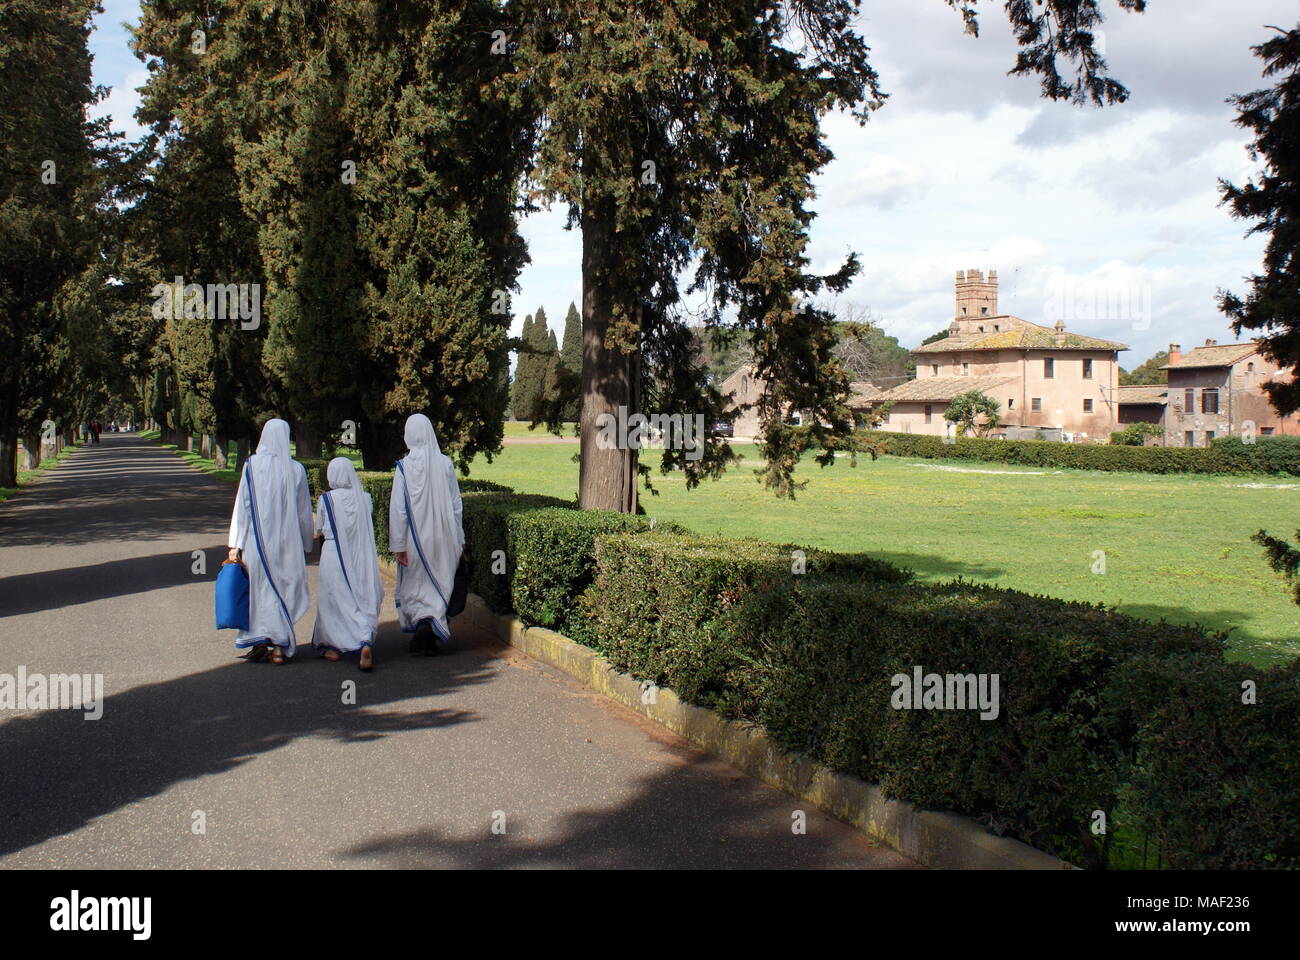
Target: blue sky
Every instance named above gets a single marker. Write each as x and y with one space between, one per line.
1108 216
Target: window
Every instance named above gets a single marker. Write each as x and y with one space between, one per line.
1189 438
997 327
1210 400
965 369
929 412
1036 404
1189 400
934 369
1209 437
1049 368
1087 369
1011 403
1087 404
1250 368
1266 431
981 329
984 312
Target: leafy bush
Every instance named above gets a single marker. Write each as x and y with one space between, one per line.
1213 781
1135 434
486 531
554 561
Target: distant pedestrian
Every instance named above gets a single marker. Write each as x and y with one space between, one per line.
349 593
426 536
94 430
271 529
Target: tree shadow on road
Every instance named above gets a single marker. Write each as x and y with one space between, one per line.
62 771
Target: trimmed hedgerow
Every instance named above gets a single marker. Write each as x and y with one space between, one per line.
554 554
1212 755
661 605
1266 455
485 522
1097 710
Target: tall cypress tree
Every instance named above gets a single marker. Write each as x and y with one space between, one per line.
51 184
521 389
691 131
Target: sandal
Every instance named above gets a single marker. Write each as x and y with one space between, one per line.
277 656
331 655
366 663
257 654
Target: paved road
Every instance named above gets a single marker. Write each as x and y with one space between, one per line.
96 577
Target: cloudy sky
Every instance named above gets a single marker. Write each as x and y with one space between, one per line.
1107 218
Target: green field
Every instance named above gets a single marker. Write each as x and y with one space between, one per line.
1176 547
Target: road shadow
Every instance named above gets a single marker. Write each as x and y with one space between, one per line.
686 818
125 488
62 771
52 589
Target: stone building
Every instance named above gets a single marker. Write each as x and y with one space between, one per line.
1217 390
1047 381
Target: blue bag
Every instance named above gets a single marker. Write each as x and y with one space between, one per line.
232 596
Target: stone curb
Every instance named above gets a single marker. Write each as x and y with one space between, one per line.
943 841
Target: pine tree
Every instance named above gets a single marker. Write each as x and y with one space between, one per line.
1273 202
679 133
521 388
568 378
51 185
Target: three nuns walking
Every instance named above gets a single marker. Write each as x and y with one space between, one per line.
272 530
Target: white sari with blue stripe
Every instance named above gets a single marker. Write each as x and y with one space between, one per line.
278 595
424 521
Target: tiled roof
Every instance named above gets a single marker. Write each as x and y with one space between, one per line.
1144 393
1025 336
1216 356
864 391
944 388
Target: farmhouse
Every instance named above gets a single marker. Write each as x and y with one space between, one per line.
1213 391
1046 380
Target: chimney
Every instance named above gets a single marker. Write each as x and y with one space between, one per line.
1211 343
1175 353
1059 337
976 296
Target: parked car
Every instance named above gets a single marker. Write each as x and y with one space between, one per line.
723 428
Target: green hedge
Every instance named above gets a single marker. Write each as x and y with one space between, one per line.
485 522
1213 782
1085 722
1267 455
554 554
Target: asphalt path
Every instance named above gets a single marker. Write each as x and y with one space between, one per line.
480 758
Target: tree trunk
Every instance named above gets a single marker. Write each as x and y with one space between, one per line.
205 447
220 451
32 448
307 440
241 453
606 477
9 458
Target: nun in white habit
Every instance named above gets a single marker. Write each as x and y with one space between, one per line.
425 535
349 592
271 531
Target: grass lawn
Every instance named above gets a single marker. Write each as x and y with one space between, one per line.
1176 547
27 476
